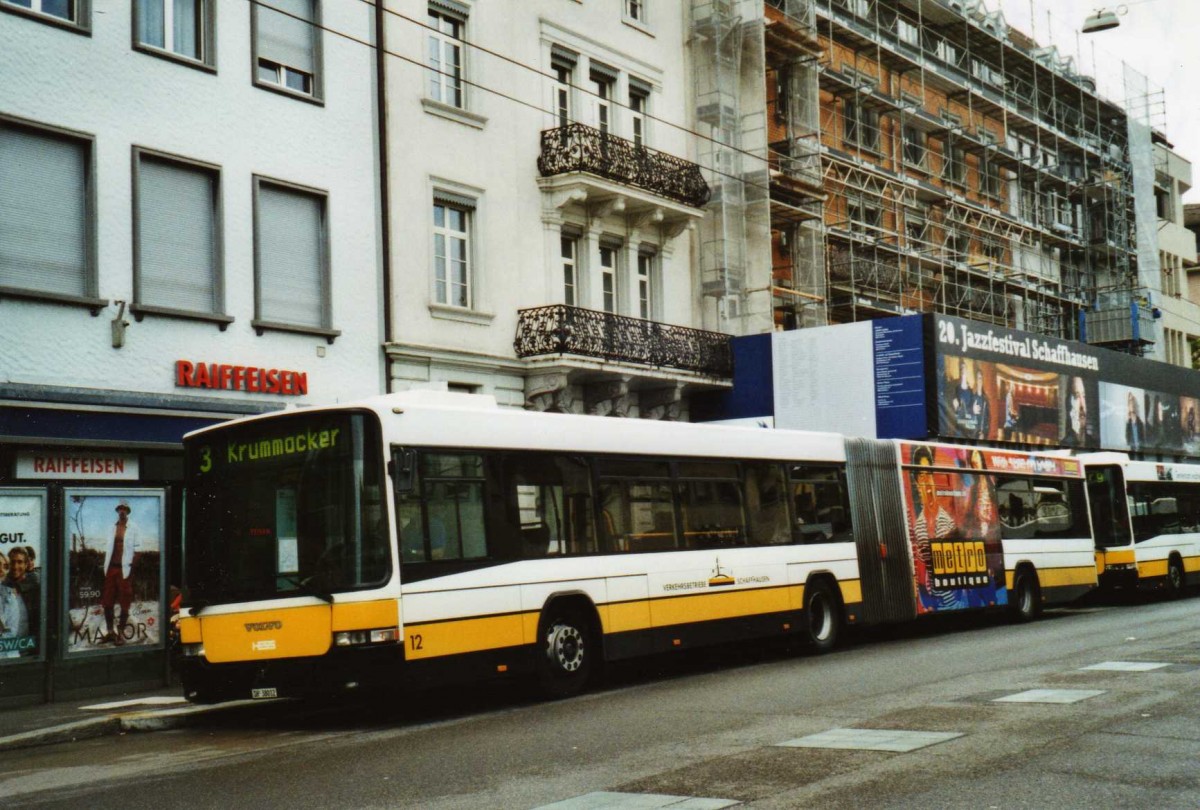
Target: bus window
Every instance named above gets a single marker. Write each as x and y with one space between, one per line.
766 505
1160 508
711 505
553 501
446 520
821 506
637 511
1040 508
1108 506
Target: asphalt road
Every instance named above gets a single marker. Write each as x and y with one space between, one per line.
710 726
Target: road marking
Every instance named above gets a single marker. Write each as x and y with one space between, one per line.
146 701
872 739
1127 666
1050 696
604 800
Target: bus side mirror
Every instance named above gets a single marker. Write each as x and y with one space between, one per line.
404 470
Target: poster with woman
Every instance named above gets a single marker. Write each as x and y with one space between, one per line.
22 549
114 570
954 529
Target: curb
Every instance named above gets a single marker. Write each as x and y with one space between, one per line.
110 724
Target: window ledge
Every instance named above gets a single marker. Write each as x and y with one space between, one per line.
283 91
461 314
171 56
140 311
637 24
451 113
271 326
94 304
48 19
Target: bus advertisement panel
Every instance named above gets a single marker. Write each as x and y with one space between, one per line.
953 527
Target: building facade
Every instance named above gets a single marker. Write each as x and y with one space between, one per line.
1179 326
189 231
543 251
923 156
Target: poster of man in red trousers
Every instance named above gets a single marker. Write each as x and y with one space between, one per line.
114 575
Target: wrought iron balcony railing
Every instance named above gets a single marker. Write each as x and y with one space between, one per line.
580 148
560 329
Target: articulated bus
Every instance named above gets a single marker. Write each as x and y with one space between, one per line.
1146 520
438 536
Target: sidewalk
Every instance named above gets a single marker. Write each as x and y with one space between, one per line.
67 721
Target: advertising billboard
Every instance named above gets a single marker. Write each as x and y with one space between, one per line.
22 551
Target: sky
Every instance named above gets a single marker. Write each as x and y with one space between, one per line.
1157 38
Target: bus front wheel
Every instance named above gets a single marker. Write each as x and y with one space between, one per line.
566 649
1025 604
820 617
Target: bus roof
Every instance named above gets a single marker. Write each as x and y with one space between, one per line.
458 420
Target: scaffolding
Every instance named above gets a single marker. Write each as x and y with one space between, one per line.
921 156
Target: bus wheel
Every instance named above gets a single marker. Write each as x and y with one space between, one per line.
566 647
1175 580
1025 605
820 619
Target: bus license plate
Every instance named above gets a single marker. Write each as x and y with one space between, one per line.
262 694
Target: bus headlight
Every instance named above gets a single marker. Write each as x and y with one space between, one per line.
358 638
192 650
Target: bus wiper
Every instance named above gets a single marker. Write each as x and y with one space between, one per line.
305 586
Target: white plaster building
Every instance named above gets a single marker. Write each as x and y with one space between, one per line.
1180 323
189 230
543 252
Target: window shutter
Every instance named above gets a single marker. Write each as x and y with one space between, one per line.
442 197
287 40
639 87
560 57
600 72
177 237
43 212
291 257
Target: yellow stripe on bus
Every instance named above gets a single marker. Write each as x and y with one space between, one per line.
465 635
365 615
721 605
1058 577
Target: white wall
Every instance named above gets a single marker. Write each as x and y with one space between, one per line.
101 86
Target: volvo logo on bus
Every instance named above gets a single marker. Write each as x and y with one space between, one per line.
260 627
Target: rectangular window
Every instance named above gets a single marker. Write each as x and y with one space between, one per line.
562 95
72 11
603 79
954 166
445 57
637 509
180 27
820 503
177 235
46 212
452 253
639 101
446 521
861 126
569 250
914 147
645 281
553 499
710 505
915 232
291 258
287 45
766 504
635 10
608 278
908 31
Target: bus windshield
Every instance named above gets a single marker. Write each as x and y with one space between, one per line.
285 507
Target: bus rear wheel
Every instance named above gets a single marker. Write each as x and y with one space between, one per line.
1025 606
566 649
1175 580
820 620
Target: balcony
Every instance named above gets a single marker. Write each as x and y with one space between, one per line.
564 330
580 148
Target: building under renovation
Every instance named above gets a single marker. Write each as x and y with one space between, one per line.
883 157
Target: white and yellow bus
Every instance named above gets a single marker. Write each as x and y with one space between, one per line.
435 535
1146 521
